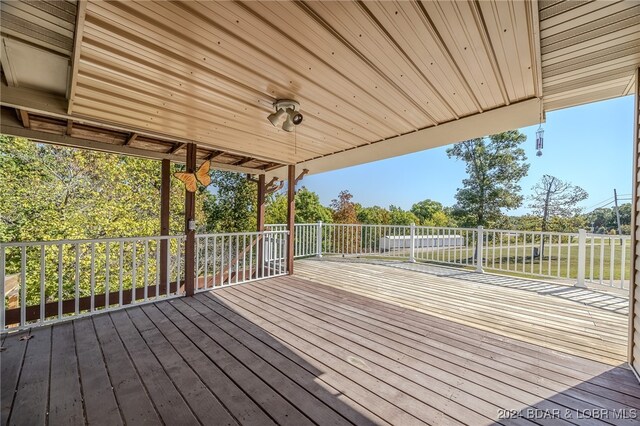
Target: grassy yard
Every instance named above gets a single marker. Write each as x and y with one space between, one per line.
603 262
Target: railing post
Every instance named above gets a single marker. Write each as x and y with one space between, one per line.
479 246
412 246
319 239
582 257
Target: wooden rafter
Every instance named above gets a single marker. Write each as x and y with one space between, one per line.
176 147
243 161
23 116
132 137
214 155
69 127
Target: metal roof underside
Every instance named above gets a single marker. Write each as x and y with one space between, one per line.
374 79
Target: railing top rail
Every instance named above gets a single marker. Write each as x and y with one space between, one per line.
88 241
255 233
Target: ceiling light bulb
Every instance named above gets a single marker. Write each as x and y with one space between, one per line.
288 124
276 117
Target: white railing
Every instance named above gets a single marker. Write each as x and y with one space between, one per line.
578 257
235 258
49 281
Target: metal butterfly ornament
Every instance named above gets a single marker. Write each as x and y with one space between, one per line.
191 180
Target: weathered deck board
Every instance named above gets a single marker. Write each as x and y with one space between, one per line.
546 321
356 345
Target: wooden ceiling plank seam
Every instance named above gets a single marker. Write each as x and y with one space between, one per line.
606 25
447 52
199 137
495 29
55 106
580 16
337 117
356 79
51 8
208 51
558 7
588 46
408 81
25 30
520 19
417 69
313 14
283 64
177 106
484 73
137 106
77 47
615 52
613 66
603 83
534 40
38 18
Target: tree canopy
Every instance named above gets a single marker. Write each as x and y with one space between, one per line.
495 166
553 197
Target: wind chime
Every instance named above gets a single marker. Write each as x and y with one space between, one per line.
540 135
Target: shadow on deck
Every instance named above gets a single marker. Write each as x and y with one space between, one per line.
292 350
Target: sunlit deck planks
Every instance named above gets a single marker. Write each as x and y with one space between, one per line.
584 324
292 351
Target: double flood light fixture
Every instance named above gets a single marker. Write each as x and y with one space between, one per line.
289 109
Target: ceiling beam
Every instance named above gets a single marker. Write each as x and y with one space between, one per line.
69 127
214 155
243 161
514 116
81 10
10 125
176 147
132 137
24 118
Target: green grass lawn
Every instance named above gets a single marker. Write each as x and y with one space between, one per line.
558 261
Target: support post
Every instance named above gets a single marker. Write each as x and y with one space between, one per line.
189 227
165 191
260 221
479 246
412 247
582 257
319 239
291 214
634 293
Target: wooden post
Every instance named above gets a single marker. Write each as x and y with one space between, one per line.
260 221
190 217
291 214
165 191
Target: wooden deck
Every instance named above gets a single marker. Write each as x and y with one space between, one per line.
388 348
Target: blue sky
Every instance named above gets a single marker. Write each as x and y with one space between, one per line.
589 146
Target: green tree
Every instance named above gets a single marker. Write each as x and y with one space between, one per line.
553 197
425 210
231 205
344 210
494 167
375 215
308 208
399 216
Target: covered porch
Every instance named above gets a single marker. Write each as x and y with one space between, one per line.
339 342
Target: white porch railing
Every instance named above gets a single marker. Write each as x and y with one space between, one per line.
235 258
579 257
44 282
50 281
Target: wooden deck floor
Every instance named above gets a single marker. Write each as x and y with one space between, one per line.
294 351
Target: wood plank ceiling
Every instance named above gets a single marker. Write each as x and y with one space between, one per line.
362 72
590 50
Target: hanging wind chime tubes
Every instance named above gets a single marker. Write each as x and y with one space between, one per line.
540 134
539 141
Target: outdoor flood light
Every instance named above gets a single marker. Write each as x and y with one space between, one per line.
288 108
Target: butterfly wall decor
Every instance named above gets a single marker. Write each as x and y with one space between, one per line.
191 180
